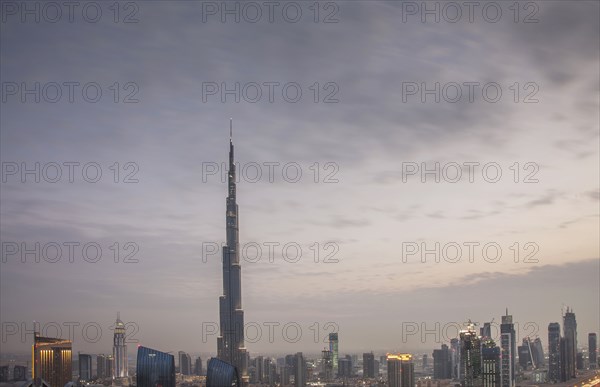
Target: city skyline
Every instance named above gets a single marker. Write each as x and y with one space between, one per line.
365 209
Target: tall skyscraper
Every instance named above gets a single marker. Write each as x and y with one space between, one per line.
52 361
455 358
85 367
508 349
101 366
333 348
300 370
470 358
525 356
593 351
442 363
230 343
327 364
400 370
554 352
570 335
120 369
185 363
345 367
368 365
154 368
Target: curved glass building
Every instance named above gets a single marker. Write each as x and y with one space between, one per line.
155 368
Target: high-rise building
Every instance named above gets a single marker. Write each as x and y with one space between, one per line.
345 367
442 363
327 364
486 330
470 358
368 365
198 366
508 349
300 371
580 360
101 366
537 352
593 350
120 369
425 360
333 348
400 370
52 361
154 368
230 343
490 363
554 374
185 363
455 358
524 354
570 335
85 367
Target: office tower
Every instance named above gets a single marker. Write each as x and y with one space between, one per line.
327 364
185 363
455 358
375 368
345 367
259 365
592 351
537 354
110 365
554 352
198 366
85 367
52 361
508 349
368 365
424 362
470 358
570 335
100 366
119 350
490 363
442 363
230 343
154 368
333 348
300 368
20 373
400 370
563 360
524 354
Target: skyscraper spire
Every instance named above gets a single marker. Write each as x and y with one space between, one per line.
230 343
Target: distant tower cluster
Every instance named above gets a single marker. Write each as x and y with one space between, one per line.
562 351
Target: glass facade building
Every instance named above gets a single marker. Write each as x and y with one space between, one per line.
155 368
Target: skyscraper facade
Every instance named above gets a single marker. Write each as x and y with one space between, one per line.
198 366
120 369
554 352
52 361
508 349
570 335
400 370
185 363
85 367
470 358
593 351
230 343
333 348
442 363
154 368
490 363
368 365
537 352
300 370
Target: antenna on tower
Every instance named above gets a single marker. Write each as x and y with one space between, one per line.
230 128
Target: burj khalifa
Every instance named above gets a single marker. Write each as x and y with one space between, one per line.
230 343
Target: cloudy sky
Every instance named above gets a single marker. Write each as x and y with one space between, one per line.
363 131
